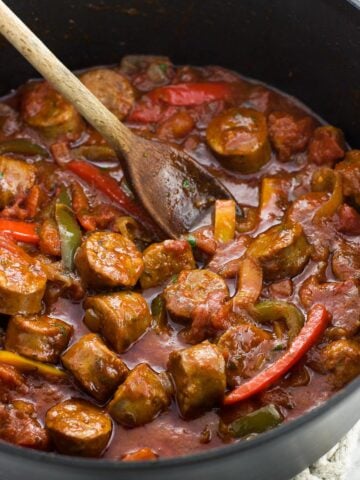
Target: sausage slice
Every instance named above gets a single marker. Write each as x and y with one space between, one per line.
41 338
240 137
192 289
141 398
162 260
43 108
98 370
282 251
199 376
109 259
111 88
120 317
78 428
22 280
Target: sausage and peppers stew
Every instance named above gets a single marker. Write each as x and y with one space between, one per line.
118 343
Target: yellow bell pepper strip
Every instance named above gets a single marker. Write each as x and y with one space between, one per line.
26 365
326 179
317 320
259 421
225 220
69 230
23 147
250 280
273 197
273 310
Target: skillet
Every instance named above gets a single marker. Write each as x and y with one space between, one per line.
309 49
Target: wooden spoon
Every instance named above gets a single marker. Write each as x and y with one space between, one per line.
175 190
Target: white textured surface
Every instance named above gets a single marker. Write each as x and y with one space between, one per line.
341 463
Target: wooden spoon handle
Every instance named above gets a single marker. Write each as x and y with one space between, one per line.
50 67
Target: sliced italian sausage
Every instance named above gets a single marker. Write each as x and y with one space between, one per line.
192 289
240 137
141 398
121 317
98 370
43 108
78 428
111 88
245 348
282 251
107 259
162 260
199 376
22 280
40 337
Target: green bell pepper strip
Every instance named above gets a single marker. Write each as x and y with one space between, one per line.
158 312
258 421
23 147
69 230
272 310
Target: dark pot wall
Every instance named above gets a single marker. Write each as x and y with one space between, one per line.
309 48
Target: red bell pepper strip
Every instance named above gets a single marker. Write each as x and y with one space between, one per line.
317 320
188 94
22 231
107 185
160 103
